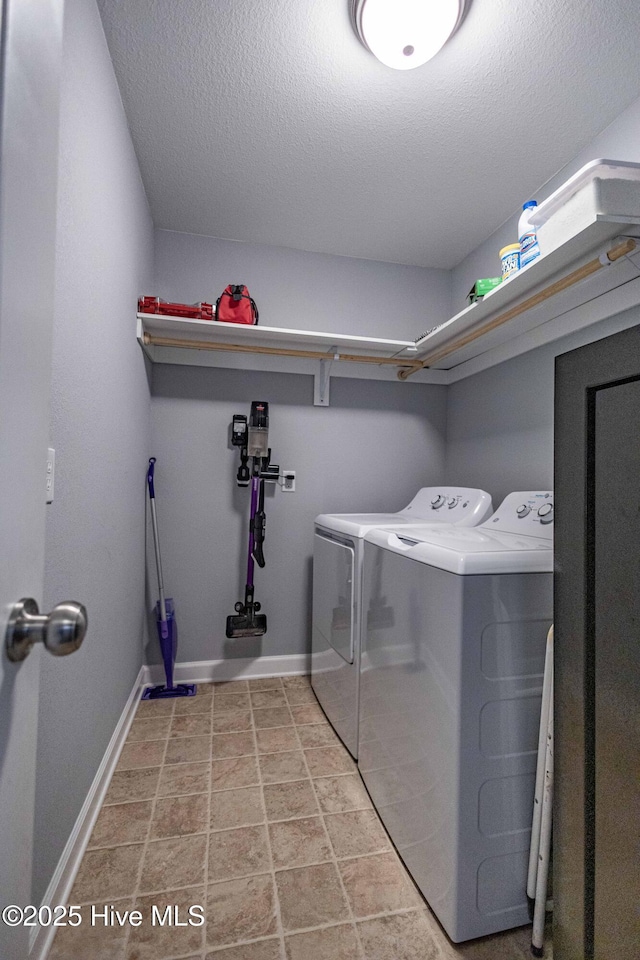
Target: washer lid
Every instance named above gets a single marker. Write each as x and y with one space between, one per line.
465 506
467 550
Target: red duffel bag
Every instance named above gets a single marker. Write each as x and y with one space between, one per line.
236 306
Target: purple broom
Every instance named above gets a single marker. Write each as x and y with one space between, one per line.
165 617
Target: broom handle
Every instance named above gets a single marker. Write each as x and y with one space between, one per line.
156 541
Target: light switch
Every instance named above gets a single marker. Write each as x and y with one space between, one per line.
51 473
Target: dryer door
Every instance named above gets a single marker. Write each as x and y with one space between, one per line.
333 598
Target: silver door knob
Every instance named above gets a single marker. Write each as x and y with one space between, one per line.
62 631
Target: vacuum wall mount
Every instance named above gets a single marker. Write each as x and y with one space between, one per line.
256 469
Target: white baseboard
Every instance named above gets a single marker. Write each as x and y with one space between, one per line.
206 671
65 873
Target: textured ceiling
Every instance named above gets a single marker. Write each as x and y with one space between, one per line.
268 121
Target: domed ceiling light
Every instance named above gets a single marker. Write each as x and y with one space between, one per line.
404 34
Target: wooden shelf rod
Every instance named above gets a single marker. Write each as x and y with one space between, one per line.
621 250
152 340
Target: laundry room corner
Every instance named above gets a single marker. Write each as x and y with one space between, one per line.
504 446
319 394
375 444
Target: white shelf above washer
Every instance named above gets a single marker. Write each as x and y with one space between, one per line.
571 287
211 331
209 343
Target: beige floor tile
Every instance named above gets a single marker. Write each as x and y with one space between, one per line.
238 853
196 725
86 941
230 686
296 843
179 816
201 703
317 735
329 761
341 794
148 753
272 717
232 745
377 884
277 739
279 767
307 713
285 801
510 945
107 874
236 808
233 773
231 721
406 936
154 708
155 728
129 785
149 942
300 680
239 910
311 897
228 702
332 943
268 698
179 779
258 950
356 834
188 750
178 862
267 683
122 823
300 695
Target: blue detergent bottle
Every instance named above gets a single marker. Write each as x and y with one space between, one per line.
527 236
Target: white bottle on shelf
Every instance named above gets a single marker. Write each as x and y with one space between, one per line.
527 236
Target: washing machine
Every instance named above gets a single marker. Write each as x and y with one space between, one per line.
337 596
450 694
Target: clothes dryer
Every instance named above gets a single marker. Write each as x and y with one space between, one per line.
450 699
337 592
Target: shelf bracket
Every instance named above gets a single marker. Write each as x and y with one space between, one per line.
322 380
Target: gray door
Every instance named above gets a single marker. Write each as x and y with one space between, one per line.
616 914
597 626
29 84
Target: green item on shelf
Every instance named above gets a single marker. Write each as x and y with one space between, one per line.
481 287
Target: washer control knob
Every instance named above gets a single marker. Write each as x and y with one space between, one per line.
451 503
546 513
523 510
437 502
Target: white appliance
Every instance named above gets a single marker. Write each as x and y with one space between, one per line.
450 697
337 592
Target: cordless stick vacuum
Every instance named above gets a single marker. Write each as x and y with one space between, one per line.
165 616
253 440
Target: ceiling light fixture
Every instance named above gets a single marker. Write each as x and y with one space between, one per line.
404 34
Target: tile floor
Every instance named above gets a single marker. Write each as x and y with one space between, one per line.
242 800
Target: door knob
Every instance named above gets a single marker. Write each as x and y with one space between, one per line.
62 631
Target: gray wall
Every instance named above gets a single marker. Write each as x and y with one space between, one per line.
370 450
100 430
500 422
307 291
